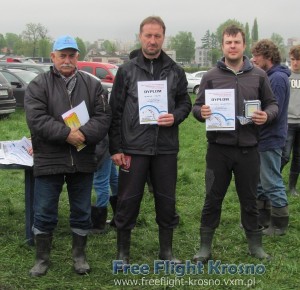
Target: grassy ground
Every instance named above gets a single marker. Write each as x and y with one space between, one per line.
229 245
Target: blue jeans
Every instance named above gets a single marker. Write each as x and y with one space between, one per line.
105 178
271 184
47 190
292 143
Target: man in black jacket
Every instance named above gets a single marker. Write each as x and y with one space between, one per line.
57 154
137 146
234 150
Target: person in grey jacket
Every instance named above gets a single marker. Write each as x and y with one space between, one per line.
292 145
234 150
57 159
138 148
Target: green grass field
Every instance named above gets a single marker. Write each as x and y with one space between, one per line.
229 245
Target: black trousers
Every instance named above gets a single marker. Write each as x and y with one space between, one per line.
132 179
221 162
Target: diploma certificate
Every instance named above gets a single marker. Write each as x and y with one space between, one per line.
153 100
222 105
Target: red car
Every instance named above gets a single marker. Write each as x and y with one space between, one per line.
106 72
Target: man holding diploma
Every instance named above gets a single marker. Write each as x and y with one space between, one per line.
139 148
234 151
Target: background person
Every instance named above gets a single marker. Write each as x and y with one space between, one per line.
139 148
293 138
56 159
272 139
105 180
234 151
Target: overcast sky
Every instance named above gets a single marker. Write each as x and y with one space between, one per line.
120 19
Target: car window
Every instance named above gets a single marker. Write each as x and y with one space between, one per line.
101 73
11 78
199 75
33 70
3 79
46 67
87 68
113 70
26 76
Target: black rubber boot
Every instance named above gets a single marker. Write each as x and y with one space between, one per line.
78 252
292 183
254 239
279 222
123 244
264 212
113 203
43 244
98 216
165 244
206 238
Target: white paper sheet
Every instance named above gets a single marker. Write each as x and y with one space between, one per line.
16 152
153 101
222 105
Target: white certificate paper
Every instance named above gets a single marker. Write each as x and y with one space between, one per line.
153 100
81 112
16 152
222 105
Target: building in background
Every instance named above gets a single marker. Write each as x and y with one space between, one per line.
202 57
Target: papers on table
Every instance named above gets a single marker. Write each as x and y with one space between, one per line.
16 152
222 105
153 100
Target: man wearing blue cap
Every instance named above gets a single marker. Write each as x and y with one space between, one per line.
57 158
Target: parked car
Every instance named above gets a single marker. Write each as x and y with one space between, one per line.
35 67
19 79
193 83
7 99
199 74
106 86
106 72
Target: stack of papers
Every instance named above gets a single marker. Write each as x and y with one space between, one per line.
16 152
77 117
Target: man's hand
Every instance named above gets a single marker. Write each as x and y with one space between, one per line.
205 111
166 120
118 159
75 137
259 117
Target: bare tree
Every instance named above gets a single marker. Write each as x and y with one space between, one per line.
33 34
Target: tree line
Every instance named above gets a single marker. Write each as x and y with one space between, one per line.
35 41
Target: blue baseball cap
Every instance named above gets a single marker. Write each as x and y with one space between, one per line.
65 42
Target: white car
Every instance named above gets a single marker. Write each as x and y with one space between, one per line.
199 74
193 83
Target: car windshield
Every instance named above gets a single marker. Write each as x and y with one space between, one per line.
114 70
45 67
26 76
3 80
191 77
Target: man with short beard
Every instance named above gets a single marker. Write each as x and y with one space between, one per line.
57 159
141 148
